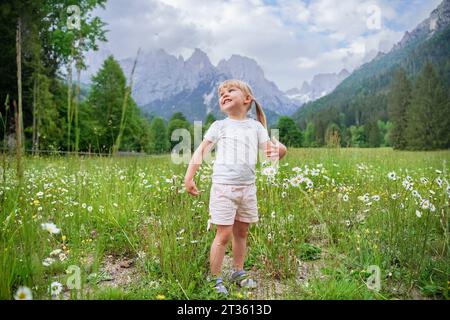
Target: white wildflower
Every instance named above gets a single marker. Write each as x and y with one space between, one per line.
55 252
392 175
50 227
48 262
425 204
23 293
55 288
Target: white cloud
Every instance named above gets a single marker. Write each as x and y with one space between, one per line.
291 40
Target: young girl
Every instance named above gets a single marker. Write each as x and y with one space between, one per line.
233 203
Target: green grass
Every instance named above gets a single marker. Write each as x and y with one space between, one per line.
136 207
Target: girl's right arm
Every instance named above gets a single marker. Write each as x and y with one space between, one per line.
194 164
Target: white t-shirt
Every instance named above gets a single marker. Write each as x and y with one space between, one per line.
238 142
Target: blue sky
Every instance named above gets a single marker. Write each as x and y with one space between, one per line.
292 40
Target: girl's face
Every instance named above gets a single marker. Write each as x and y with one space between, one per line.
232 99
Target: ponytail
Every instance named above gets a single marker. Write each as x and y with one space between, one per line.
260 115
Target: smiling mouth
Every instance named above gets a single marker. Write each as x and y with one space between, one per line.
226 100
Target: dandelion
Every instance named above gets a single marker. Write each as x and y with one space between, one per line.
345 197
50 227
392 175
23 293
418 213
55 288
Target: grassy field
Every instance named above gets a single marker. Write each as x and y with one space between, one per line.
327 218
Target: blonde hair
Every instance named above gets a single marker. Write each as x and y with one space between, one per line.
247 90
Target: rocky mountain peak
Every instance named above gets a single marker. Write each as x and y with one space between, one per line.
438 20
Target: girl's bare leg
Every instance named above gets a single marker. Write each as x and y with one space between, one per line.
223 236
240 232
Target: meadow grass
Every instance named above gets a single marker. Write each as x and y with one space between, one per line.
331 212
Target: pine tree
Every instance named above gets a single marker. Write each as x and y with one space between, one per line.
399 99
427 118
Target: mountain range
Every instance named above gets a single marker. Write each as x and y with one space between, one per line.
164 84
320 85
429 41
